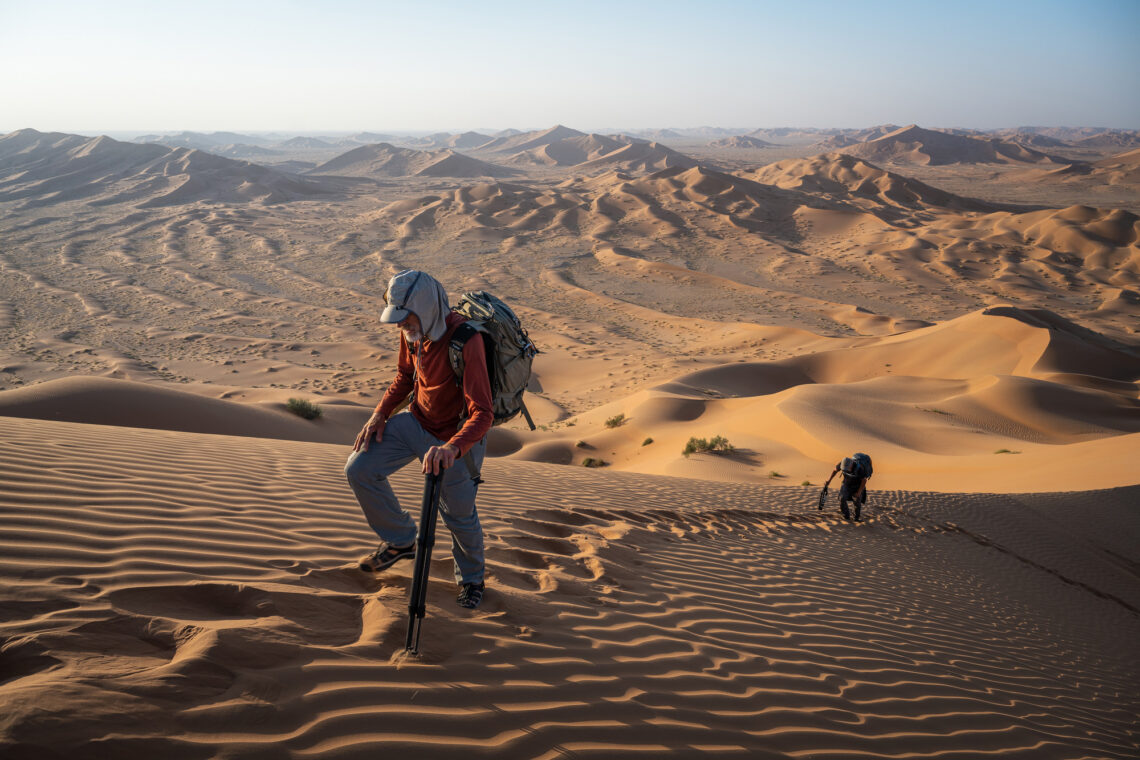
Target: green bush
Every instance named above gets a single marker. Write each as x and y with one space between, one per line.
647 441
616 421
715 445
591 462
303 408
774 474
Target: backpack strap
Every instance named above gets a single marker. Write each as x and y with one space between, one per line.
459 338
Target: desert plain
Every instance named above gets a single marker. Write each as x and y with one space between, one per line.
179 550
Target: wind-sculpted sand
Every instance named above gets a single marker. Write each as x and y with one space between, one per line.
179 549
194 596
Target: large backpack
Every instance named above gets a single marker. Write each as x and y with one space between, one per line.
508 347
857 466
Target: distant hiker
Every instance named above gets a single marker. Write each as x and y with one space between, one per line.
445 426
857 470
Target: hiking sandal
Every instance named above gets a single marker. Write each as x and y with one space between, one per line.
385 556
470 594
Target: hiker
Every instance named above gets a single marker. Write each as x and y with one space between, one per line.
445 426
856 471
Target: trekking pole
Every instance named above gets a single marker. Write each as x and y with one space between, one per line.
417 601
823 493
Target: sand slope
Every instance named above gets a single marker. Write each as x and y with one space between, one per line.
180 595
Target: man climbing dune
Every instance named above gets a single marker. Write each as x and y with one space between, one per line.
445 426
856 471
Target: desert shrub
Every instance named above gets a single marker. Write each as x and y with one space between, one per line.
616 421
647 441
303 408
1006 451
716 444
806 483
583 445
774 474
591 462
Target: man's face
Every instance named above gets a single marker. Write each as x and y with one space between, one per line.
410 325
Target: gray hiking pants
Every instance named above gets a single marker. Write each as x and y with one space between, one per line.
405 440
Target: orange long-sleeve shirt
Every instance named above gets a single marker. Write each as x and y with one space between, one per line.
438 401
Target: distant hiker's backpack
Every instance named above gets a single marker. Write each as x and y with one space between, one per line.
508 347
857 466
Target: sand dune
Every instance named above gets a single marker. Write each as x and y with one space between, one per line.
168 600
523 141
202 140
913 144
1111 138
1120 169
47 168
569 151
850 218
838 174
385 160
740 141
104 401
934 404
1030 138
846 137
592 152
640 156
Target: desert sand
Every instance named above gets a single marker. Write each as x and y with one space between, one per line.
179 566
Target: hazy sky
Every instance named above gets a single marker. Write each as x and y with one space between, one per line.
110 65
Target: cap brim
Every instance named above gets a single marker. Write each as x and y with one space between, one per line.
392 315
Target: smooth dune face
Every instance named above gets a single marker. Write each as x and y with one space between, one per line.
179 564
171 591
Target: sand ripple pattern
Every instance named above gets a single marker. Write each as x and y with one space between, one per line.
180 595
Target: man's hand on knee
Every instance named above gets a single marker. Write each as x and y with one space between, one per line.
439 458
372 430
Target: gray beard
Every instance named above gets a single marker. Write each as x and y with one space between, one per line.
413 337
